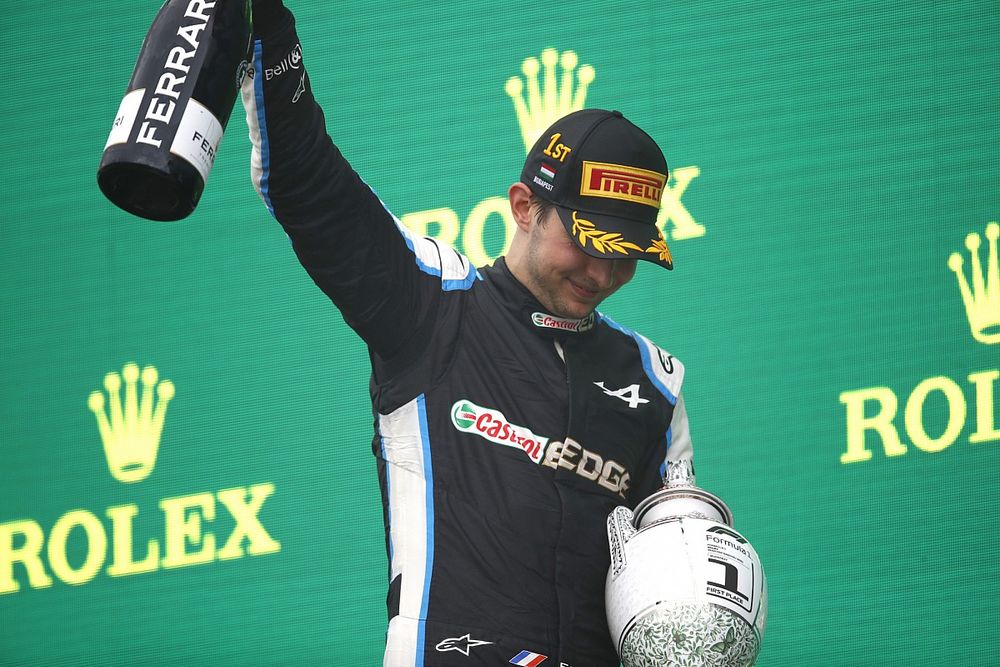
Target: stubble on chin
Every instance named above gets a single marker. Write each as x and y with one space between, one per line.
557 304
546 287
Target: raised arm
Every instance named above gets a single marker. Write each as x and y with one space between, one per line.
384 281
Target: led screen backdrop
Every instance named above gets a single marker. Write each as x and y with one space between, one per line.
835 301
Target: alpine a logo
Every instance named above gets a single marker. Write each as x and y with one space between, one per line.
492 425
547 321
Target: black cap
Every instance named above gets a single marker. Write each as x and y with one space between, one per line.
605 177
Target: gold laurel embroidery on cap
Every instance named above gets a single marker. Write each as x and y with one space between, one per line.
660 248
586 230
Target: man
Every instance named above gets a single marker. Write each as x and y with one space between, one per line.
510 416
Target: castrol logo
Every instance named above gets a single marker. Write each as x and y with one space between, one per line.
547 321
491 424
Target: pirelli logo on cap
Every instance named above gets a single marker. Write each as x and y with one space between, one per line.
616 181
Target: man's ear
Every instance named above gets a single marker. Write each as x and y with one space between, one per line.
519 195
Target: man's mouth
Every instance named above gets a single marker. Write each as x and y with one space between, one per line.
582 291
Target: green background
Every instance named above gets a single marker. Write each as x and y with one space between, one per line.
845 150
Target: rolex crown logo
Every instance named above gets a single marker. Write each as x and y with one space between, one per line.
131 428
982 297
547 101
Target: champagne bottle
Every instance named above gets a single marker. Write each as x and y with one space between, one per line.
164 139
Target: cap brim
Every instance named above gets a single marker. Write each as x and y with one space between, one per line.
608 237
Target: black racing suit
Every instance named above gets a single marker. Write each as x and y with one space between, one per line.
504 435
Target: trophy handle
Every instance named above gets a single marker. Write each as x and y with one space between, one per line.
620 531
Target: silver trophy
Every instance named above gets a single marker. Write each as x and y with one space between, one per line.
683 588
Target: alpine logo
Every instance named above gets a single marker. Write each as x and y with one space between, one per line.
547 321
629 394
493 426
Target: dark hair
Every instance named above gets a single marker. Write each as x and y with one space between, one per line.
541 208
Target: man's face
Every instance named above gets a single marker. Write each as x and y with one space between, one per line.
564 279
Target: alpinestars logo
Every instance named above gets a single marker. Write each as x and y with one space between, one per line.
492 425
461 644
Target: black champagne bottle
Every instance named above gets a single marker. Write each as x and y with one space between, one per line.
169 125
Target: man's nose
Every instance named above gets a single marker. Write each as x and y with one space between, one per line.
602 272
